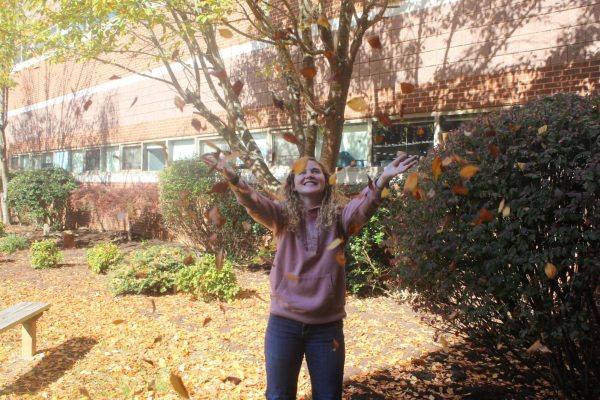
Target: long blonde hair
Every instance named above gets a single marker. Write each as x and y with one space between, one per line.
293 210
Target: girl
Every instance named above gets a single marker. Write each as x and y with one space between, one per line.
308 279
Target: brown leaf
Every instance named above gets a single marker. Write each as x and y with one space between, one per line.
215 218
288 137
157 339
133 102
84 392
447 161
179 103
353 229
406 88
220 187
340 258
197 125
323 21
188 260
309 72
237 87
419 194
87 105
278 103
436 168
219 259
175 54
468 171
236 381
213 237
330 55
384 119
246 226
220 74
206 321
279 35
485 215
118 321
538 347
494 150
411 182
178 385
148 361
378 139
153 305
114 77
336 345
460 189
374 41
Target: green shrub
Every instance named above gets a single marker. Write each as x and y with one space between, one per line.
510 255
103 256
185 200
2 228
206 282
12 242
45 254
40 196
152 270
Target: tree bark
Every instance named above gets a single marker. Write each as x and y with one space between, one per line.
3 156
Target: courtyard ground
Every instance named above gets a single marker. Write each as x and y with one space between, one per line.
94 345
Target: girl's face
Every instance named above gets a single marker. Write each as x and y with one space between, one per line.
311 181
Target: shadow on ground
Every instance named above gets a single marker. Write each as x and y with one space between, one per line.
56 362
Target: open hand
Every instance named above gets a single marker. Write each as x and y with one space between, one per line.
214 161
399 165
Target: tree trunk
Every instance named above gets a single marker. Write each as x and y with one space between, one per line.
3 156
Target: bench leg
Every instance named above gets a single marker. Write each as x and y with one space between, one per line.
29 338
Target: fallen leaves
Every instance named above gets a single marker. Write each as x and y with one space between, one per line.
178 385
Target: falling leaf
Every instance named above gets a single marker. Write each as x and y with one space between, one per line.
175 54
330 55
550 270
384 119
385 193
309 72
178 385
521 166
418 193
501 205
324 22
220 74
485 215
220 187
353 229
236 381
292 277
237 87
84 392
378 139
406 88
411 182
357 104
246 226
494 150
226 33
299 165
179 103
157 339
278 103
114 77
335 243
458 159
543 129
538 347
332 180
420 131
87 105
460 189
219 259
213 237
468 171
340 258
436 168
206 321
214 216
133 102
288 137
279 35
374 41
118 321
506 212
336 345
197 124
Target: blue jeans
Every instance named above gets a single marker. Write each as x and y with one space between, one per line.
286 343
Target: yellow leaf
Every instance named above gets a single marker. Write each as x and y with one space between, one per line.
335 243
550 270
436 168
332 179
299 165
411 182
468 171
226 33
501 206
538 347
543 129
506 212
385 193
521 166
324 22
357 104
179 386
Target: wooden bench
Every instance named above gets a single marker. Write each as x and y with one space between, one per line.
26 314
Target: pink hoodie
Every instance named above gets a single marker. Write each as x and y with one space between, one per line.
307 283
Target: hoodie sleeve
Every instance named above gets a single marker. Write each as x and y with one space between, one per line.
262 209
360 209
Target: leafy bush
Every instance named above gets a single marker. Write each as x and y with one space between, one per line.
2 228
206 282
186 199
41 196
103 256
45 254
12 242
504 239
148 271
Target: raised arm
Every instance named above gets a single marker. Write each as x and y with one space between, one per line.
262 209
358 211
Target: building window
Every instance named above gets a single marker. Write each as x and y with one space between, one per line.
284 152
92 160
131 157
77 161
36 161
61 159
24 162
110 159
182 149
14 163
354 149
155 156
413 137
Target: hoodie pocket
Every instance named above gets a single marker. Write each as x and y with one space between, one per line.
306 294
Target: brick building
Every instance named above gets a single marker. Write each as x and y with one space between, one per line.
464 56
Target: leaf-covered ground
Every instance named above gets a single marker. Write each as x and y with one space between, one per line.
94 345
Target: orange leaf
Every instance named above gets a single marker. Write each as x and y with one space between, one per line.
279 35
188 260
324 22
178 385
550 270
374 41
308 72
335 243
237 87
460 189
419 194
206 321
384 119
468 171
220 187
411 182
357 104
329 54
340 258
486 215
288 137
420 131
436 168
179 103
118 321
385 193
406 88
299 165
197 125
378 139
353 229
332 179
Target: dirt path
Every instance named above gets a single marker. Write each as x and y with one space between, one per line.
126 347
